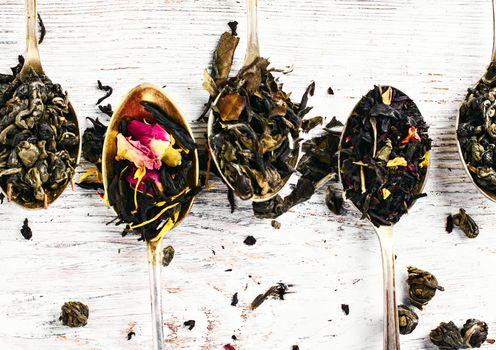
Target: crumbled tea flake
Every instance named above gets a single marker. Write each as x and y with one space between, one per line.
26 230
276 224
106 109
167 255
278 291
231 199
346 309
466 223
330 91
190 324
250 240
408 319
295 347
422 286
378 124
334 200
234 27
74 314
42 29
308 124
449 224
234 300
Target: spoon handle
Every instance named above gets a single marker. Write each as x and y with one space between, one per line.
32 55
391 324
253 48
154 251
494 31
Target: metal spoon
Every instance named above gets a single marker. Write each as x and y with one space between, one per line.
386 240
252 53
32 61
130 108
486 193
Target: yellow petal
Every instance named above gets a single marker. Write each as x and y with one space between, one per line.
425 160
139 174
385 193
398 161
172 157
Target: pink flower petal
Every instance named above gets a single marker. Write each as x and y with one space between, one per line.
136 153
152 136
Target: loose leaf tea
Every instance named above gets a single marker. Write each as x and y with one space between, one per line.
474 333
408 319
190 324
153 163
108 91
477 131
384 155
26 230
255 130
167 255
39 138
42 29
466 224
278 291
422 286
447 336
74 314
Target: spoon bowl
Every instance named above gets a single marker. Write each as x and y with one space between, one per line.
487 193
385 234
32 62
252 54
131 108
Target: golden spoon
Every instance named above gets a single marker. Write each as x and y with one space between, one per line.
486 193
32 61
252 53
386 240
131 108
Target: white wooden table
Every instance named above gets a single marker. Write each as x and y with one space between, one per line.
432 50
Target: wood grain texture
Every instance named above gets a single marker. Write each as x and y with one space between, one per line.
431 50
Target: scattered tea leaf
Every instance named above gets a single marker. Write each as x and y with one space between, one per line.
108 91
26 230
466 223
276 224
447 336
330 91
278 291
234 300
42 29
130 335
334 200
250 240
231 199
106 109
74 314
168 255
229 347
449 224
190 324
474 333
346 309
422 286
234 26
407 318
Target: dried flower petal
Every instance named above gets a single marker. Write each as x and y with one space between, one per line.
136 153
412 134
152 136
398 161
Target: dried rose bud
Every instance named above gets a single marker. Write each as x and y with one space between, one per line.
474 333
422 286
74 314
407 318
446 336
466 224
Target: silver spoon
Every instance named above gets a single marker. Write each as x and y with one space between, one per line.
386 240
486 193
131 108
252 53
